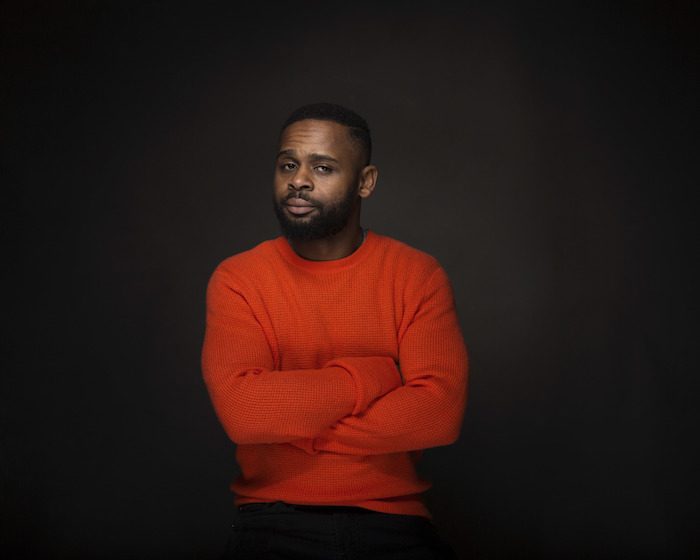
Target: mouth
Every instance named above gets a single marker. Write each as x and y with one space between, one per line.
299 210
299 206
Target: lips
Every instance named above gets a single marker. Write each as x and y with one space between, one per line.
298 202
299 206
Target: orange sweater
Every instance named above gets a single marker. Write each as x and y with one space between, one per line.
332 376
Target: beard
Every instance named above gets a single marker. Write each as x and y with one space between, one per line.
326 221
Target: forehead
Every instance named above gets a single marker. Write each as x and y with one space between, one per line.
316 136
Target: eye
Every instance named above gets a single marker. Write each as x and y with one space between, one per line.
287 166
324 169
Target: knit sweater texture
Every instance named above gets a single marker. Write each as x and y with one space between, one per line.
332 376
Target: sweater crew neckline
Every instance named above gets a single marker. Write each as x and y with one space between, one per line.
285 249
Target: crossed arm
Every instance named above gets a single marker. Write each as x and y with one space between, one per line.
352 405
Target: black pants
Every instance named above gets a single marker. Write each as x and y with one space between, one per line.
281 531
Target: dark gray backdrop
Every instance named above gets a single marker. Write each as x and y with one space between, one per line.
545 153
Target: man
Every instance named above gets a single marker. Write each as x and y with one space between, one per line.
333 357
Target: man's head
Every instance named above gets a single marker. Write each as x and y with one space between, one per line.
357 126
322 171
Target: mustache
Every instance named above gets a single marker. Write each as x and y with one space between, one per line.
302 196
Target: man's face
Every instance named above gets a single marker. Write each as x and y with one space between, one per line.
317 177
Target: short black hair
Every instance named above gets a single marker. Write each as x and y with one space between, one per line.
336 113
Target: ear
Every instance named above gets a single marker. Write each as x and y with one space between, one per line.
368 180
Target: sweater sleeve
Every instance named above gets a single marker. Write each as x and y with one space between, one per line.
427 411
257 403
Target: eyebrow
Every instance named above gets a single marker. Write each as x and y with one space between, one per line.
312 157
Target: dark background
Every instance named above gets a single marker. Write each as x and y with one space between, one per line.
544 152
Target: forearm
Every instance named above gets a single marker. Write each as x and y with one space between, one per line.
263 405
415 416
271 406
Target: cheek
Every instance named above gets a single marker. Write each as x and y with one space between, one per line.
337 187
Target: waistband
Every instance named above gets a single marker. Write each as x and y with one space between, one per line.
284 506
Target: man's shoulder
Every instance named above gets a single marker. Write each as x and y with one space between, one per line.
404 255
414 270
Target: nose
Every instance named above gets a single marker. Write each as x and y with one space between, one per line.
300 180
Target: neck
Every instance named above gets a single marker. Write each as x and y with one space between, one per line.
338 246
